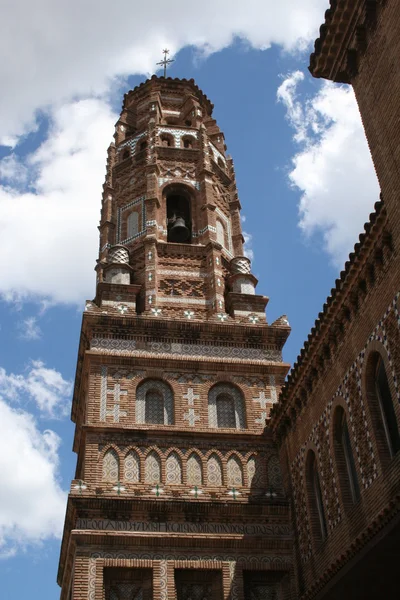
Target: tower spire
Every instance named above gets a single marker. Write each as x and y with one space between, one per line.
166 61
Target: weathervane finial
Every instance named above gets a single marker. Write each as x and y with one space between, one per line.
166 61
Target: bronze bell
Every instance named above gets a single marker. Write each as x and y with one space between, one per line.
179 232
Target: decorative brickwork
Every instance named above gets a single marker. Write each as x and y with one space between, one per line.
177 373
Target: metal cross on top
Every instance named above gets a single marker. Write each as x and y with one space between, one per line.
166 61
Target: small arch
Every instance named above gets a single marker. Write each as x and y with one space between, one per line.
143 145
380 400
132 224
234 472
167 140
226 407
214 471
188 123
173 469
126 154
110 466
316 509
188 142
132 467
194 470
152 468
154 403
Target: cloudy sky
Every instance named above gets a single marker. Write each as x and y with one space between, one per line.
305 178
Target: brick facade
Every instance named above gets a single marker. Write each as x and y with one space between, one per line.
178 491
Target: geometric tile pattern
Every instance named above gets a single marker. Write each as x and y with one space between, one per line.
131 346
132 467
125 591
234 472
274 474
263 592
223 411
152 468
110 466
154 401
173 469
194 473
196 591
214 471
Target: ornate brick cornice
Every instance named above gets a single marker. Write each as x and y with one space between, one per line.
344 37
360 274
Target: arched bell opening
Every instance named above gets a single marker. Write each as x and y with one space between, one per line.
179 218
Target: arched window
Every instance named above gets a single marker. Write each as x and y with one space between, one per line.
154 403
132 467
143 145
179 221
234 472
194 471
126 154
110 466
315 501
173 469
221 163
225 411
132 224
154 407
220 233
344 457
388 415
226 407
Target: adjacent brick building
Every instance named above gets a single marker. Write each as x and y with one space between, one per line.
338 418
181 491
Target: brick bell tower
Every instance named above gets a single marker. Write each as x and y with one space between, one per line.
178 492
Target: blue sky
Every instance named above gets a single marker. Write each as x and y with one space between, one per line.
305 181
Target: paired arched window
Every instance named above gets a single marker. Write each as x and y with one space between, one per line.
315 501
385 403
344 457
132 224
226 407
154 403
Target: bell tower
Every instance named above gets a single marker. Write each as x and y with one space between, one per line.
178 493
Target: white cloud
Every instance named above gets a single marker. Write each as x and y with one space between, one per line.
32 503
51 233
333 168
46 387
29 329
63 50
